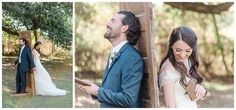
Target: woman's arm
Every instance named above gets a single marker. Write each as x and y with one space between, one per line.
169 94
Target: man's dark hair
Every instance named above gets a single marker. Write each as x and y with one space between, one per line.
133 33
26 42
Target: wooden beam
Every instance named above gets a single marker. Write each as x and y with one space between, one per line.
30 76
146 46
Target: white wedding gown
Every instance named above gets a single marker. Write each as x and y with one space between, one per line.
168 72
43 82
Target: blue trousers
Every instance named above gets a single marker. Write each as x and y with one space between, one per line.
21 81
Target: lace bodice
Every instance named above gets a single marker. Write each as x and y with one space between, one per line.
168 72
36 55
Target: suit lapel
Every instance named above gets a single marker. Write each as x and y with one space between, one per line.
105 72
19 52
22 51
113 62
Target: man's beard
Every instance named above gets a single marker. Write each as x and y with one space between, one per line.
22 45
109 35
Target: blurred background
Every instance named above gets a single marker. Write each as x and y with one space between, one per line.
212 22
91 48
50 23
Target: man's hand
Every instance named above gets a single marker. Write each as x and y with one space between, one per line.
93 89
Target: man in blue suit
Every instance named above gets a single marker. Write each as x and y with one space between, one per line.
123 74
24 61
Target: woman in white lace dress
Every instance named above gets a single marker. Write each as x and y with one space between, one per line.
178 66
43 82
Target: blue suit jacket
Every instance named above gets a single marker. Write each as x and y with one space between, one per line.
121 82
26 59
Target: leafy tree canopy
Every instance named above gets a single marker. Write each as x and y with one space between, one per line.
52 20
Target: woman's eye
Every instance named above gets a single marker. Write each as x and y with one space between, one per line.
188 51
177 50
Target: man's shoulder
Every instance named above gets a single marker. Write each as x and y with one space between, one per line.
132 52
27 49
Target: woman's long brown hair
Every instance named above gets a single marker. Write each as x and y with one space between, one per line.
187 35
36 44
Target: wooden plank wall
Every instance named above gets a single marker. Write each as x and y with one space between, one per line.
146 46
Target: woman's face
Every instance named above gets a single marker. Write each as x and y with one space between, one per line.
39 46
181 51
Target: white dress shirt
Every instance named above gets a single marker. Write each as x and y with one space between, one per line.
116 49
21 50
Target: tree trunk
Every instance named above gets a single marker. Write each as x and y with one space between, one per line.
220 44
35 35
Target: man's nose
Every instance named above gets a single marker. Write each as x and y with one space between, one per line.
108 23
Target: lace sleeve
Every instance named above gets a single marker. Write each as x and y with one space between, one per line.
34 52
167 75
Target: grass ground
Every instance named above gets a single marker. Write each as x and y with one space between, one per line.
220 95
61 72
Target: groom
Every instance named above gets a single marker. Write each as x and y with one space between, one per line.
24 61
123 74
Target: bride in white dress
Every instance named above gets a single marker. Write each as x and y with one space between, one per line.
178 66
43 82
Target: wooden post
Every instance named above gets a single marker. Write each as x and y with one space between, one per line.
30 76
146 46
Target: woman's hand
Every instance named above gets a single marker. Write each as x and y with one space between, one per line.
200 92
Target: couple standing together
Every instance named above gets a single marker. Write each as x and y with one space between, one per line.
124 71
43 82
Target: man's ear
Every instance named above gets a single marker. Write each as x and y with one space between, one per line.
124 28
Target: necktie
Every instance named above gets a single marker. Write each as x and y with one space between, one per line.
110 60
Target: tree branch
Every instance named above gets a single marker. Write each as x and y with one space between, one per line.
9 31
201 7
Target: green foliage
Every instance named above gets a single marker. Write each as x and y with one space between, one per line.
53 20
9 44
